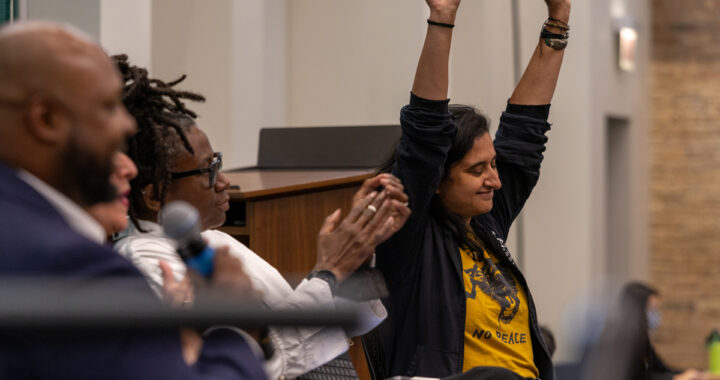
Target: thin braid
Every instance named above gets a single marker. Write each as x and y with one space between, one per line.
162 117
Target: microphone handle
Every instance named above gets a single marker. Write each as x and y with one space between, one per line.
201 262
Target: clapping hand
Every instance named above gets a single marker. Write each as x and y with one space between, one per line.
395 192
344 245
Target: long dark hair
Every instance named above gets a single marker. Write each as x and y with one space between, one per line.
633 303
471 124
622 350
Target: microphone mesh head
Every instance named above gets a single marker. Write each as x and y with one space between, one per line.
179 220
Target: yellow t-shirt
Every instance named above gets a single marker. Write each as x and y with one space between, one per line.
497 328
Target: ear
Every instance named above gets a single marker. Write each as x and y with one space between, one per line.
47 120
151 202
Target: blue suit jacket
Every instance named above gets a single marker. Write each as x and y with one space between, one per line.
36 240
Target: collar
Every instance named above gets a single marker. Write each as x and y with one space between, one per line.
78 219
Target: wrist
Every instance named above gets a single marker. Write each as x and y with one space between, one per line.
443 16
560 12
325 275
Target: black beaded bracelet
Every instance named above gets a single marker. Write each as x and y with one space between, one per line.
444 25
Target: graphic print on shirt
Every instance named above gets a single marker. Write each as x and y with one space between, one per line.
496 283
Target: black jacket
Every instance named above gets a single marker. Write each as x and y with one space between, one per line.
424 332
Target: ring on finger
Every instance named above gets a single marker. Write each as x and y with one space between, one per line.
372 208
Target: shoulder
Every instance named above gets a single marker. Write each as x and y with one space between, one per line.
143 244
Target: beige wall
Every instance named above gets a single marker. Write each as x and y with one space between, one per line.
126 28
83 14
233 53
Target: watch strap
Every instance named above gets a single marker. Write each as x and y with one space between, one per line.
326 276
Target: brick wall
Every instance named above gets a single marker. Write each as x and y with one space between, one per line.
685 175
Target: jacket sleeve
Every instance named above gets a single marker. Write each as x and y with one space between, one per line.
427 134
519 145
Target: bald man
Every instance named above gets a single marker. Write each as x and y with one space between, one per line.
61 122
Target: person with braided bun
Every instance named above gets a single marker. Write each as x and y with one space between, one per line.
176 161
458 302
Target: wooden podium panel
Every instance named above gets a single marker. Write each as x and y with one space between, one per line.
278 213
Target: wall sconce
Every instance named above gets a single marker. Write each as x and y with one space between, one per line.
627 48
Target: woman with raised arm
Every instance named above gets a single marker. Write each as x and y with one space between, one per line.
458 301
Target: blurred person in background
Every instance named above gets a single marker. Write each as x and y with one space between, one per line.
641 304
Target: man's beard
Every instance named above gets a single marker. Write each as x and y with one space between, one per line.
86 177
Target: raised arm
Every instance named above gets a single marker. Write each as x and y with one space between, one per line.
431 77
537 85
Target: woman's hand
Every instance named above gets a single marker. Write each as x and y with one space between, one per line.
559 9
443 10
395 192
344 245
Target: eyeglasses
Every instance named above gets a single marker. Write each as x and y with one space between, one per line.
213 169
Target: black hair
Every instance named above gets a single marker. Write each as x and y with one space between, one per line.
471 124
163 121
634 299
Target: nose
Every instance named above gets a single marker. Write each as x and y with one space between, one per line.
126 167
493 180
221 183
128 122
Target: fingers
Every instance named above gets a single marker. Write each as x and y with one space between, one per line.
167 274
372 211
383 232
395 192
371 184
368 186
390 179
394 216
191 345
330 223
401 214
359 207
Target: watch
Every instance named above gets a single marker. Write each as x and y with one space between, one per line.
326 276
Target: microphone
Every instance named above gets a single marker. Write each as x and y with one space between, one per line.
181 222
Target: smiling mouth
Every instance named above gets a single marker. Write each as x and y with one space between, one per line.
486 194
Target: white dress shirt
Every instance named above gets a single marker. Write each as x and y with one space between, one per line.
298 350
78 219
